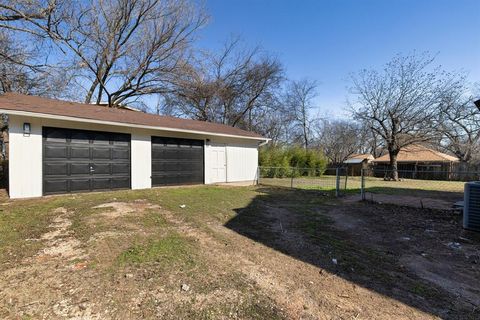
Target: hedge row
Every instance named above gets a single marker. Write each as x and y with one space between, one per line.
281 162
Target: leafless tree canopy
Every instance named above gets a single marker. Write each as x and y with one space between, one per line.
459 124
122 49
23 67
299 100
400 102
21 71
236 87
339 139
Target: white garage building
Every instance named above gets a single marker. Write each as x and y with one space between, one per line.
61 147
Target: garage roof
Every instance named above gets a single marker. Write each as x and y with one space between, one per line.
15 103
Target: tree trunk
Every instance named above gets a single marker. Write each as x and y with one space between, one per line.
88 97
305 135
393 164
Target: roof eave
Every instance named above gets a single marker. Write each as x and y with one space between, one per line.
124 124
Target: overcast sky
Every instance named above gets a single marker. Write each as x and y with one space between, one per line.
325 40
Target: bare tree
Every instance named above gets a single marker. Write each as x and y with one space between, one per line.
299 99
22 65
373 142
459 124
194 95
21 72
16 69
399 102
339 139
23 10
234 87
124 48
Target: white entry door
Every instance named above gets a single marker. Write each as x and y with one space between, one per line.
218 163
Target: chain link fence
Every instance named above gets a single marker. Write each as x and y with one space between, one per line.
332 180
419 188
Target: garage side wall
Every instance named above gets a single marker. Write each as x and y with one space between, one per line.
25 158
241 160
242 163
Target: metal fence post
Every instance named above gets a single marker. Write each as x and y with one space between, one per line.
346 178
337 184
362 184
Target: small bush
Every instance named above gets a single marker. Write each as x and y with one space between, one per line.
282 162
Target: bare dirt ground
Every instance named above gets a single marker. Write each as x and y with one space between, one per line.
427 242
275 254
438 203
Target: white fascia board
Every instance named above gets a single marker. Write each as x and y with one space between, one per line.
122 124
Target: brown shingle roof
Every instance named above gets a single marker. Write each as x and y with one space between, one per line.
418 153
27 103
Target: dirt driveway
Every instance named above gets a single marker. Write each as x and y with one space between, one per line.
239 253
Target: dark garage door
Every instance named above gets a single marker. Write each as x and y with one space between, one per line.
80 160
176 161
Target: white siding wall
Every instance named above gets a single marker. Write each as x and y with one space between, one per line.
241 159
141 155
242 163
25 159
25 163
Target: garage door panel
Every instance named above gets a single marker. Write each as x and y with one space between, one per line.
101 153
187 167
197 167
121 154
171 179
79 152
101 168
189 154
166 154
55 186
165 166
156 153
101 183
82 160
80 184
120 168
157 167
177 161
120 182
59 152
52 169
79 168
197 177
190 177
